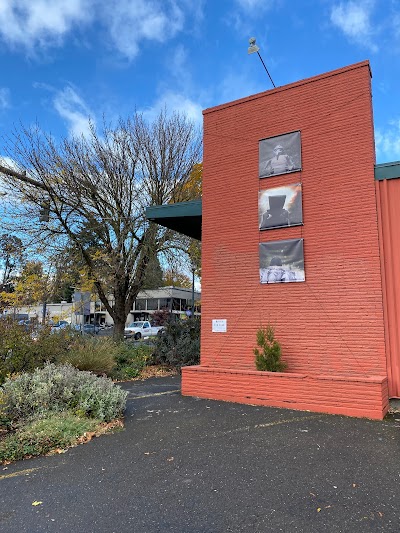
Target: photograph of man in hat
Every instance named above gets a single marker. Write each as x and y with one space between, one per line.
280 206
280 163
280 155
276 216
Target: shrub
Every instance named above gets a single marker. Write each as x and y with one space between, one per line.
16 349
131 360
90 353
52 346
179 345
269 357
41 436
61 388
160 317
20 353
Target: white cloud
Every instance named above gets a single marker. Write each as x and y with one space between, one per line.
255 5
178 63
177 102
353 18
387 142
239 83
7 190
72 108
40 23
4 98
131 22
244 13
8 162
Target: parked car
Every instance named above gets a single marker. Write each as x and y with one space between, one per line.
91 329
27 324
141 329
60 325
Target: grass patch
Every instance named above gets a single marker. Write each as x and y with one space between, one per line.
94 354
40 437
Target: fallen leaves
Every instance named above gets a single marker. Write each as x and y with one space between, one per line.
36 503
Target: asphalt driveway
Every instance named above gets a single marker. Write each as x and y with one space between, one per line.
189 465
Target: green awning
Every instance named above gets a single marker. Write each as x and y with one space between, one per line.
387 171
184 217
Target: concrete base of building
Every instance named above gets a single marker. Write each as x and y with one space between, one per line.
353 395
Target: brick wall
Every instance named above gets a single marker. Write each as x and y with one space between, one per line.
332 324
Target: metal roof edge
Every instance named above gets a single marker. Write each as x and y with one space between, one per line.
180 209
387 171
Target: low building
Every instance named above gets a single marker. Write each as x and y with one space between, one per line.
177 300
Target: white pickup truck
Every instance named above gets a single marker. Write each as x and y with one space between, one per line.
139 330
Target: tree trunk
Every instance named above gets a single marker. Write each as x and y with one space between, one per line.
119 318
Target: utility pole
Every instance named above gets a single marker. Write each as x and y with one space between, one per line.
44 311
193 271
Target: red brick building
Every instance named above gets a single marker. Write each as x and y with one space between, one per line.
331 325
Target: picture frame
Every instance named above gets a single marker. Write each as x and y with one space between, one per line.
279 155
282 261
280 207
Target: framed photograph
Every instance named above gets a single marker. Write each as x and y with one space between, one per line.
279 207
279 155
282 261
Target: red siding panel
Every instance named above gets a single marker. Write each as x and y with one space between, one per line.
388 200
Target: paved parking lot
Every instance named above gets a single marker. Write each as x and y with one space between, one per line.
189 465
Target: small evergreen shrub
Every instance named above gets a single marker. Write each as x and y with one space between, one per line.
131 360
41 436
58 389
268 358
179 345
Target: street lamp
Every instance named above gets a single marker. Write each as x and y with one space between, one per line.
253 48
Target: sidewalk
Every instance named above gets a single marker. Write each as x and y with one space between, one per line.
186 465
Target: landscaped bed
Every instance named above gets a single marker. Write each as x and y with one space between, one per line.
57 391
53 408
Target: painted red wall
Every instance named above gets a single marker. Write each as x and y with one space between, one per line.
388 196
332 324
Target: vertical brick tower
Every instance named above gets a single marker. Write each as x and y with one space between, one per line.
330 325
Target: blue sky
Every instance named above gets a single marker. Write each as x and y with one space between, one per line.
63 61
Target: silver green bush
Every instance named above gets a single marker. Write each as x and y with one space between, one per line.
58 389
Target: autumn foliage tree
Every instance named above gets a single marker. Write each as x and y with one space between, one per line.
192 190
96 189
11 257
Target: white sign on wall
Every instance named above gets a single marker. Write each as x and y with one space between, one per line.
219 325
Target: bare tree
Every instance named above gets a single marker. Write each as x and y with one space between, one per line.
95 190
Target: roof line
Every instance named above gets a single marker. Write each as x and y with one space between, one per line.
306 81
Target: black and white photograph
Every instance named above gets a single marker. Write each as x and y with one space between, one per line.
280 154
282 261
280 206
